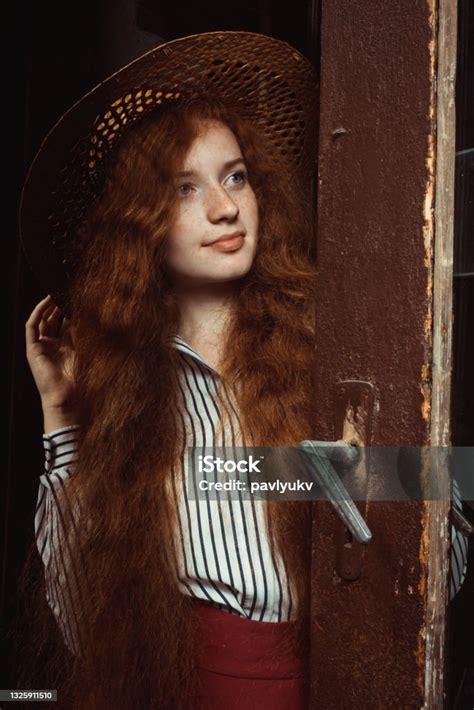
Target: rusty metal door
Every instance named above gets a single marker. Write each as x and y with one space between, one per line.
384 254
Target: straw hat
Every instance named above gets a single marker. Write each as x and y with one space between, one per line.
267 79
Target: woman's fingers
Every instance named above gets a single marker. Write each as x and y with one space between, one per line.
33 322
43 324
36 323
49 323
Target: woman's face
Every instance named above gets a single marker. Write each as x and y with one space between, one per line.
215 200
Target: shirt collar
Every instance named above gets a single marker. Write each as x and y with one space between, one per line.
182 345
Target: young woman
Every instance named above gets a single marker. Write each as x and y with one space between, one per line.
190 324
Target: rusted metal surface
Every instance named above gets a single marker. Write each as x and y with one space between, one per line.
374 321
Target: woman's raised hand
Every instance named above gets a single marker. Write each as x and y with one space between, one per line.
50 354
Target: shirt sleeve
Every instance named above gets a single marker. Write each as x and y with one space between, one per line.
459 547
56 520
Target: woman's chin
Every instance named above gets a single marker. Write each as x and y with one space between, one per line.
219 274
229 275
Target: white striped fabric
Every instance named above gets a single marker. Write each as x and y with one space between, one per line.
459 545
222 552
54 511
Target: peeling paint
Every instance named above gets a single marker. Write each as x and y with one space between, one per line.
426 378
428 219
420 658
428 232
424 543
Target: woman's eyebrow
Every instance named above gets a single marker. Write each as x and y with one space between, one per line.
226 166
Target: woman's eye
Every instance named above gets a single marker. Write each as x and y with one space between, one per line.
183 189
241 175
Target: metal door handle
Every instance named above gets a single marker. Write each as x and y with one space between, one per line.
317 455
355 402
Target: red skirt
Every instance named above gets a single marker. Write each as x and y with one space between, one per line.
245 665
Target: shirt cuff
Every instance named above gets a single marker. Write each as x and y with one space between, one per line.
60 448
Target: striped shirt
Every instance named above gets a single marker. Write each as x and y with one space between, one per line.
222 551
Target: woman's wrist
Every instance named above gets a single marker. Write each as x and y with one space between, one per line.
57 417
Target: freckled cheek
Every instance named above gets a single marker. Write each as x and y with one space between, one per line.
249 208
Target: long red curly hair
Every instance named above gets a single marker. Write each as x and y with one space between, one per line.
136 632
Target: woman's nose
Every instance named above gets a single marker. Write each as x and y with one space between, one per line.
220 205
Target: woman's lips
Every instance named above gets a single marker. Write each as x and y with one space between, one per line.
228 244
